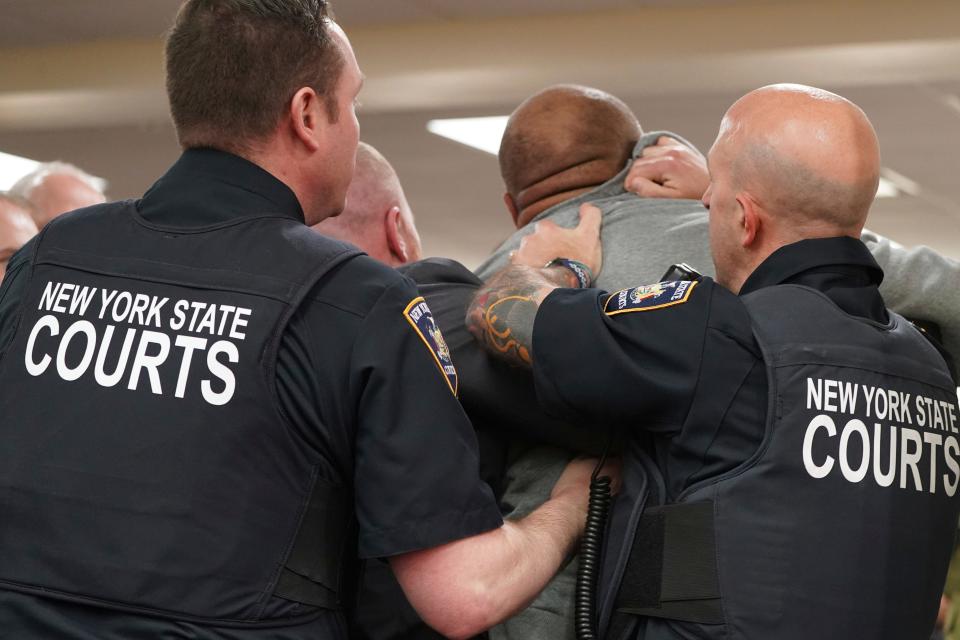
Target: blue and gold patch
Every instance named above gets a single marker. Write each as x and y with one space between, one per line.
649 297
418 315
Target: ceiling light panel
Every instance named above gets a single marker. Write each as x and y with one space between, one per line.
479 133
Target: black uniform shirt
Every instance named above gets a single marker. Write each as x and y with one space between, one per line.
356 381
691 373
499 398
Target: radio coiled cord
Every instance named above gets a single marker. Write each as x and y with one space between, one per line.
590 547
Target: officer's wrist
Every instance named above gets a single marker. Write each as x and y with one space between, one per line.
581 276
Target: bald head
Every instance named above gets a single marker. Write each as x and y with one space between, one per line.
377 217
790 162
805 154
55 188
561 142
16 228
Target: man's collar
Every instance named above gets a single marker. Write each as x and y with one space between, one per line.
217 186
615 185
792 260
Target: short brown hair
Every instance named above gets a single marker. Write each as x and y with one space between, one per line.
234 65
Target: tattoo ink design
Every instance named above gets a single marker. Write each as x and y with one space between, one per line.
501 316
508 327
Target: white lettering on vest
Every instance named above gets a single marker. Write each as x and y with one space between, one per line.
35 368
815 470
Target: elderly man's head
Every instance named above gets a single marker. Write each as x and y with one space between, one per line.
55 188
790 162
377 217
561 142
16 227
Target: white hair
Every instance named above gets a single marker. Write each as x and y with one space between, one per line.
24 186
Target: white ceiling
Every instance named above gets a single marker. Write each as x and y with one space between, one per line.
440 58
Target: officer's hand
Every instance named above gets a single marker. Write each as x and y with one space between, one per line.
574 482
549 241
669 169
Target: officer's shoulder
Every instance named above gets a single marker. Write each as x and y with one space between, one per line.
668 297
358 284
729 316
22 256
438 271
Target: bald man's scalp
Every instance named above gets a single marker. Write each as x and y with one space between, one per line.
805 153
569 136
786 186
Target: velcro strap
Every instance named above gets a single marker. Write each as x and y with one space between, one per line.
672 570
314 571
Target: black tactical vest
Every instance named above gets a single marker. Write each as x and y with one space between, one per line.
842 523
146 465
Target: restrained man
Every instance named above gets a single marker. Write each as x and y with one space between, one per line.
792 459
242 405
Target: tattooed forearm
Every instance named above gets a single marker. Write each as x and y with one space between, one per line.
501 315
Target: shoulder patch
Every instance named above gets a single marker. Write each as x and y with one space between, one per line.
649 297
421 319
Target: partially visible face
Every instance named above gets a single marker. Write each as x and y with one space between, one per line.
721 199
59 194
340 158
16 228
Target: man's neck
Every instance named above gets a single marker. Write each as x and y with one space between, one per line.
564 184
530 212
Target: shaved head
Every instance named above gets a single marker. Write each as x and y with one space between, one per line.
564 140
16 228
377 217
805 153
791 162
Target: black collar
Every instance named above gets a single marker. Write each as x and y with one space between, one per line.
842 268
793 263
208 187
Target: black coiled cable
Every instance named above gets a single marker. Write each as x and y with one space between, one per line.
590 546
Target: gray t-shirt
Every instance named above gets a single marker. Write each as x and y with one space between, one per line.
641 238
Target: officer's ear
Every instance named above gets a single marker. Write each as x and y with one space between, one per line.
751 219
395 240
511 207
308 118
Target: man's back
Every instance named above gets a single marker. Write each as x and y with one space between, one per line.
641 238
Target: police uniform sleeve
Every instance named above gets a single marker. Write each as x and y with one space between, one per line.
416 475
496 396
609 359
